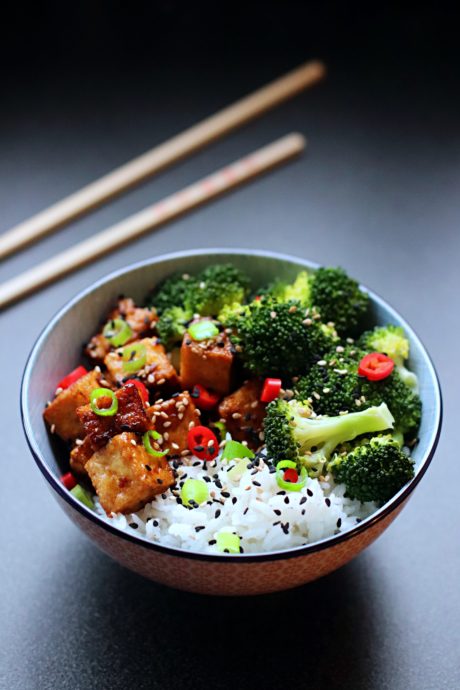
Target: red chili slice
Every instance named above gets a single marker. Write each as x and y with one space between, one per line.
376 366
74 375
141 388
203 443
271 390
204 399
291 475
68 480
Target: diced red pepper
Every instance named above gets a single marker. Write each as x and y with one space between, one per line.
69 481
291 475
71 378
203 443
376 366
204 399
143 392
257 298
271 390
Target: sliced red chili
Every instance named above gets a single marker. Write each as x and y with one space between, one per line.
271 390
204 399
376 366
71 378
143 392
68 480
202 443
291 476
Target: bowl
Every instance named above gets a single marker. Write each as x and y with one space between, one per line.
58 350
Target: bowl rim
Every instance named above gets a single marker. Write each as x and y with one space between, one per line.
294 552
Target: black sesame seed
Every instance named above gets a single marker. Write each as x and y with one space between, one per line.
198 449
309 492
211 542
281 493
276 511
133 525
303 511
225 494
198 528
285 527
206 478
327 501
245 511
148 468
278 522
234 500
159 481
303 500
339 522
286 499
218 483
217 513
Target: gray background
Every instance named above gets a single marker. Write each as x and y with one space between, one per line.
377 192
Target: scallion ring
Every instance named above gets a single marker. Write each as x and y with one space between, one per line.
117 332
289 486
134 357
103 393
202 330
228 542
148 446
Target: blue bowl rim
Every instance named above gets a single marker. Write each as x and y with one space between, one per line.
295 552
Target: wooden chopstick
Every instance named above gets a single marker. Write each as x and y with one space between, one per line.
175 205
160 157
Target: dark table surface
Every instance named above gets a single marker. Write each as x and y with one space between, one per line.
377 192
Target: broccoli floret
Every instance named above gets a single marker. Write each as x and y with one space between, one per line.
299 290
373 470
275 338
217 287
333 386
231 313
392 341
172 325
292 433
173 292
339 299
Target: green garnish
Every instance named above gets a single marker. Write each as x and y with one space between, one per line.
228 542
148 446
83 496
194 490
220 426
117 332
134 357
202 330
290 486
233 449
103 393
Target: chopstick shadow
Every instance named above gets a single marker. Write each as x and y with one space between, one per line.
117 630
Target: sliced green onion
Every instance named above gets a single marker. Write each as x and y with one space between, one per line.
83 496
194 490
221 428
238 470
134 357
289 486
148 446
202 330
233 450
103 393
227 541
117 332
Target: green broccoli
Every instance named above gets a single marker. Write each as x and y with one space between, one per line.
333 386
292 433
172 325
373 470
217 286
173 292
276 339
339 299
299 290
392 341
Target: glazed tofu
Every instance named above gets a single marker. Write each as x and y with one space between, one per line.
140 320
244 413
158 370
207 362
61 413
125 476
172 419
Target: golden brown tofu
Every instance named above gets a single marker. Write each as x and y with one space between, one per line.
125 476
207 362
61 413
157 371
140 320
172 419
244 413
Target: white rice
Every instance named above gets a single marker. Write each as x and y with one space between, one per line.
265 517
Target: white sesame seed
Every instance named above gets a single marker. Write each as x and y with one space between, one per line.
185 452
78 442
236 415
292 309
166 424
53 428
343 412
307 322
160 382
340 348
273 314
350 341
358 402
175 446
133 442
326 390
321 363
150 378
254 404
316 395
97 369
166 436
58 390
191 424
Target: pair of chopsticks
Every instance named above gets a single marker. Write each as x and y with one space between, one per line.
146 165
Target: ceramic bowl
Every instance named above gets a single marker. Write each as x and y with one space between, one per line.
58 350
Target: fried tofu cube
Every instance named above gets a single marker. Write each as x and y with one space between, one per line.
207 362
172 419
244 413
125 476
157 371
140 320
61 413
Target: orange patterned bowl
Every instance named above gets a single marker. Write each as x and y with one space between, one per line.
58 350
